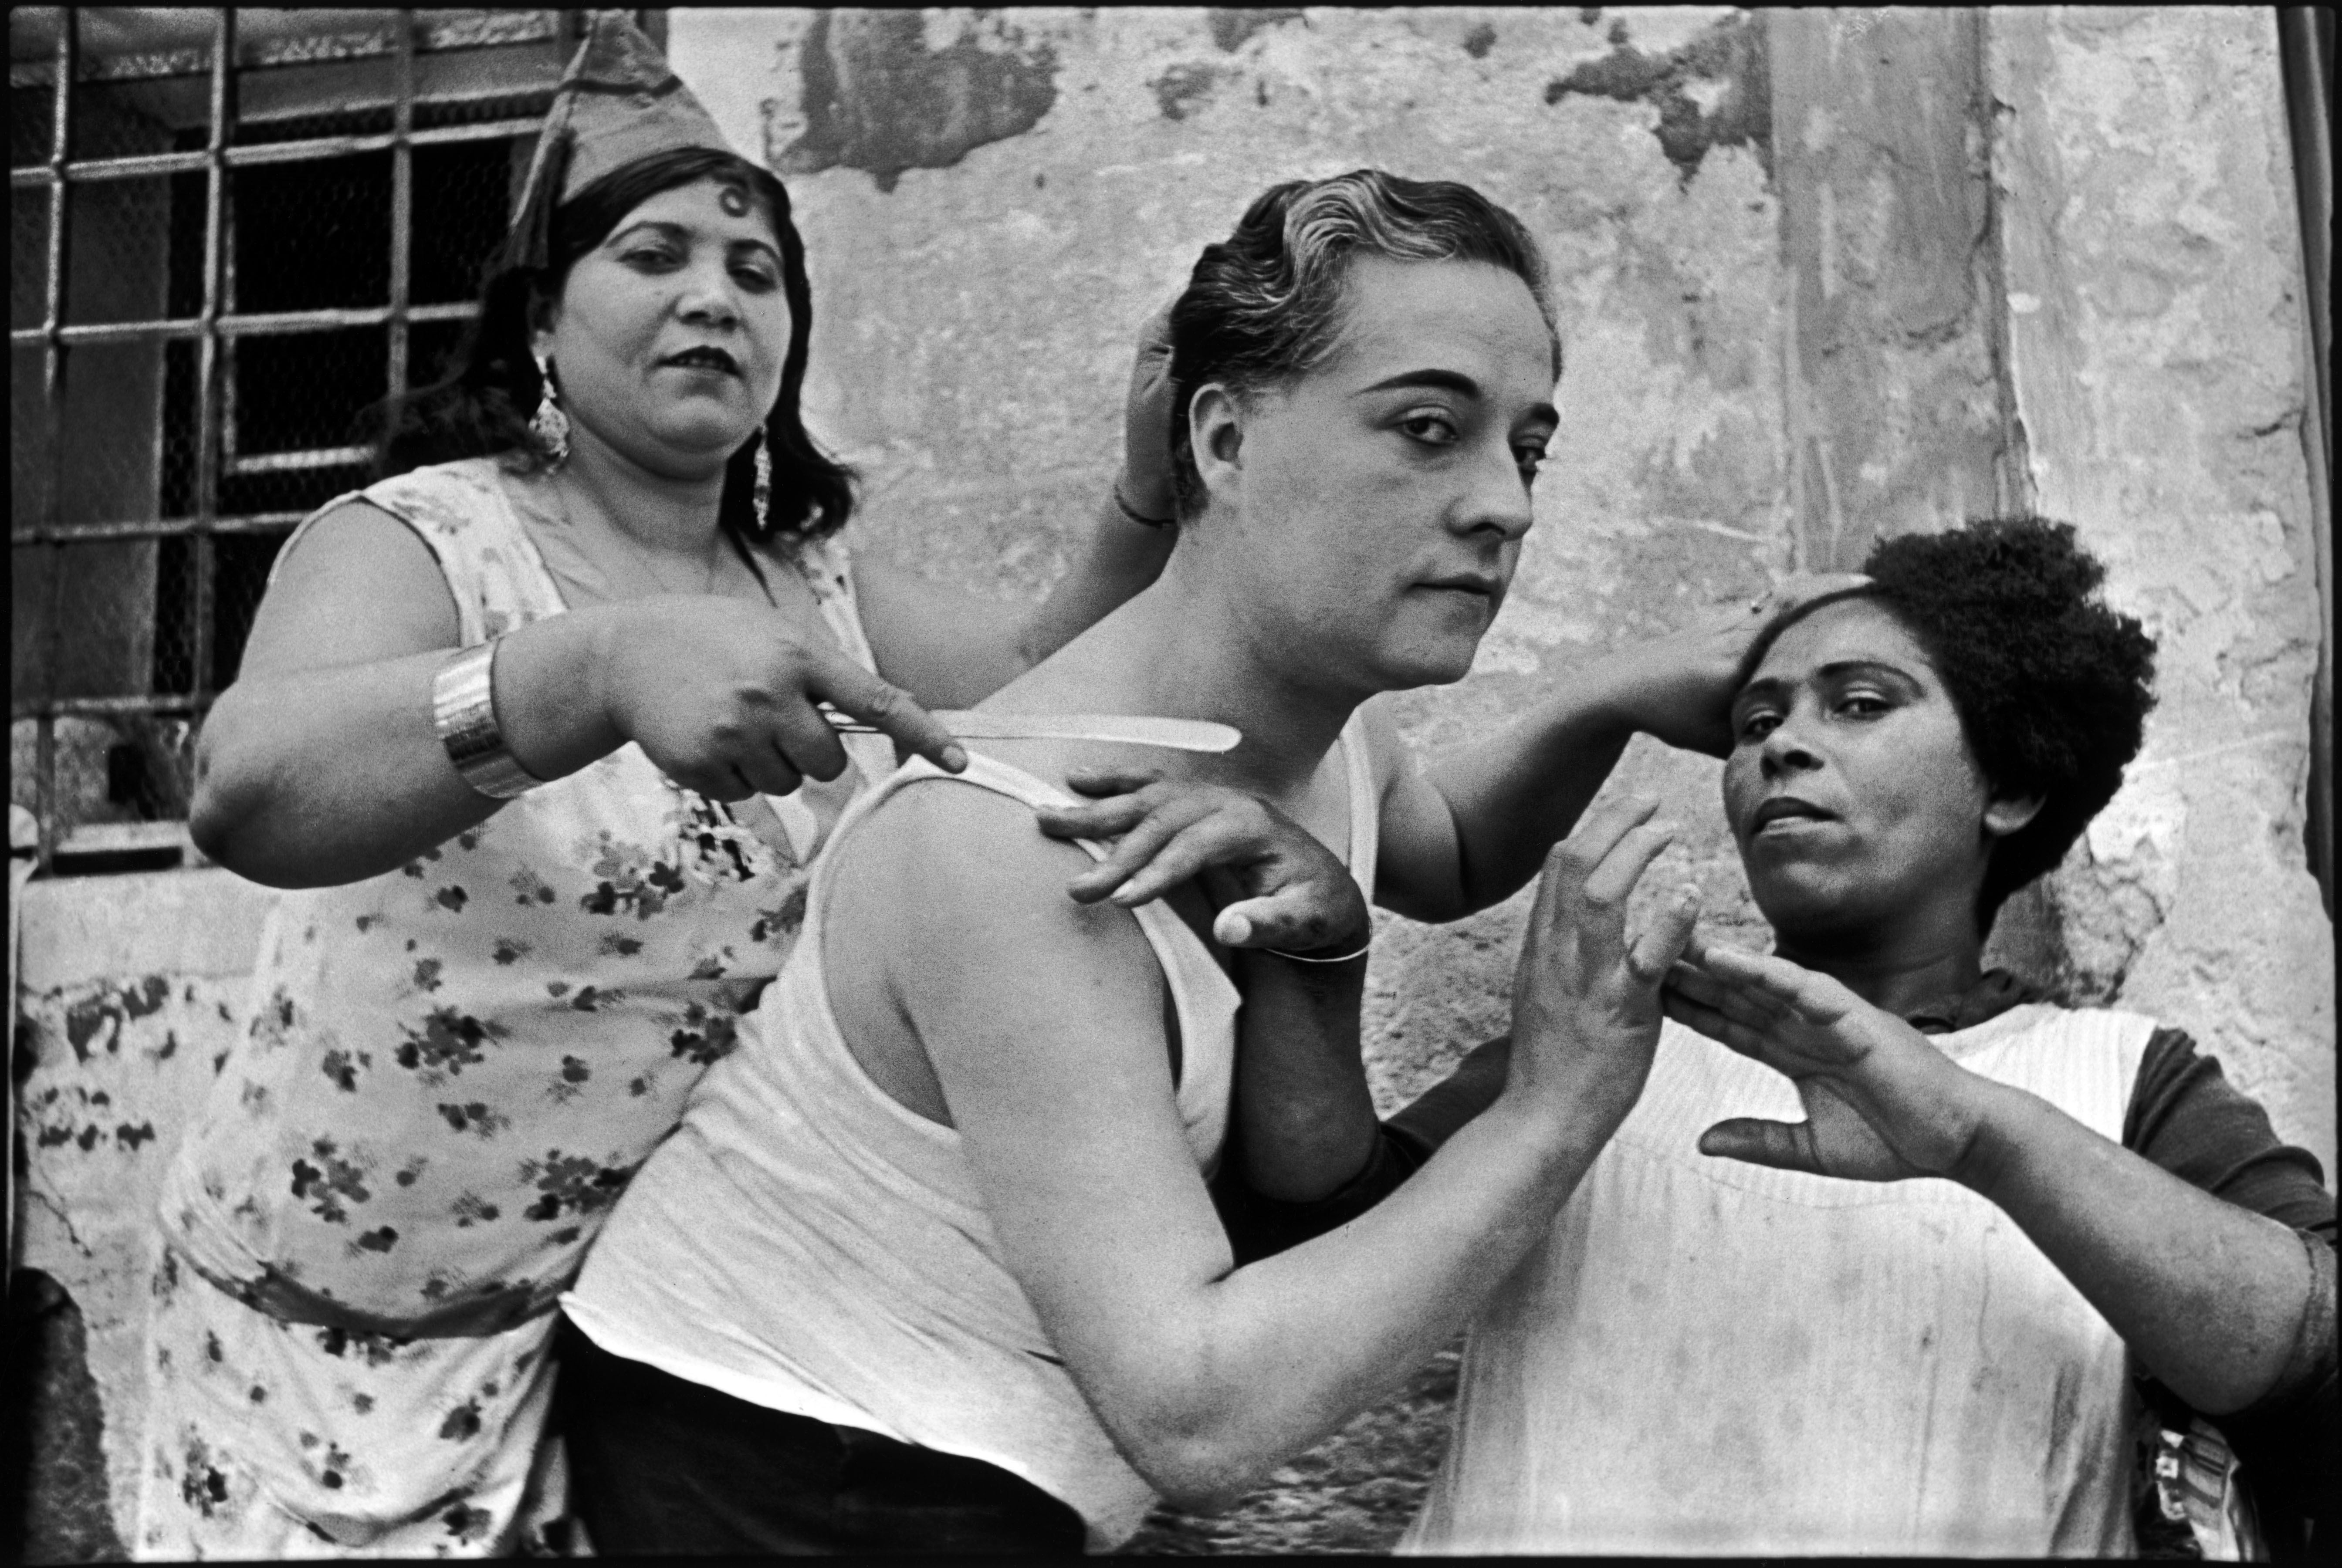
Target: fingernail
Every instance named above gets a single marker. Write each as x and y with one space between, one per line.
955 758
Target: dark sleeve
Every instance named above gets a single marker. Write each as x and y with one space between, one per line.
1260 1227
2187 1118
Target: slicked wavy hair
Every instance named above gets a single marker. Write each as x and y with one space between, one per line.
1266 307
481 407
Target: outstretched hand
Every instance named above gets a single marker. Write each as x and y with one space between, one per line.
1679 688
1277 886
1882 1104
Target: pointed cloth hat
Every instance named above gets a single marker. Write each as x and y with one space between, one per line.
618 102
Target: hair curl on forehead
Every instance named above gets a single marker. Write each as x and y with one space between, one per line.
2052 685
1265 306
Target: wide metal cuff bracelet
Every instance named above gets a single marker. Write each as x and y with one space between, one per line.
464 710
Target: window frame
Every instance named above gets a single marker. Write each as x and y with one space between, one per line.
216 328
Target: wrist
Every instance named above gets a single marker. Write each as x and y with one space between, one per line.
553 698
601 632
1582 1093
1147 505
1995 1136
1619 695
464 714
1350 949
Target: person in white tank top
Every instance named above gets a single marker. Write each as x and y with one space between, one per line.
1839 1287
952 1195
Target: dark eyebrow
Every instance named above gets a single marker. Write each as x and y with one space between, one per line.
1857 666
1454 381
685 232
1774 685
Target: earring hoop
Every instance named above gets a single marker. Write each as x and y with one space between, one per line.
549 425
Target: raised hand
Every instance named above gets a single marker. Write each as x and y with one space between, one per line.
1586 992
1679 688
1144 486
1278 887
1882 1104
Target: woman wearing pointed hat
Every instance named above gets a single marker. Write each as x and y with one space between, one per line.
536 729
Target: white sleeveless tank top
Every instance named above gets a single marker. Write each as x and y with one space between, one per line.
808 1244
1710 1357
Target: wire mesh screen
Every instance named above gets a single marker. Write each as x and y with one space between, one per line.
216 279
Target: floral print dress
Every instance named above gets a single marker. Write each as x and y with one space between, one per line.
449 1075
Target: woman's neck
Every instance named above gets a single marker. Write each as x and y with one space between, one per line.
1186 648
657 512
1909 963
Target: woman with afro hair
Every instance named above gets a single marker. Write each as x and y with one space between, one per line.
1891 1242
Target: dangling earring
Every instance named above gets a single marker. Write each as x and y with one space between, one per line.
549 424
763 490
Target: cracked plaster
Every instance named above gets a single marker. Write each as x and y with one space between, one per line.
973 341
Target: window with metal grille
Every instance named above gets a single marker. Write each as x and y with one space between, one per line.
231 232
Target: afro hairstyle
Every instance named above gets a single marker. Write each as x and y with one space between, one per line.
2052 686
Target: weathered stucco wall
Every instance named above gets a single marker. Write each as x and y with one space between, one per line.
2154 319
974 320
1823 276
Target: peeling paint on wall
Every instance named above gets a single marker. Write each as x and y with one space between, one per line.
1713 92
1896 410
1183 85
1232 25
1781 357
879 94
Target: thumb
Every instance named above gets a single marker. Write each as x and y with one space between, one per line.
1657 949
1290 918
1783 1146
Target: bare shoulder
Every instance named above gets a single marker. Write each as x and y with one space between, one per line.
356 584
356 530
956 861
955 890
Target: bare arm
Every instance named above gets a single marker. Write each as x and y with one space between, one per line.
1042 1018
953 649
2209 1296
321 765
1304 1123
1472 827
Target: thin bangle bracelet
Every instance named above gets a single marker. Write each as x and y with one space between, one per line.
1138 516
464 712
1304 958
